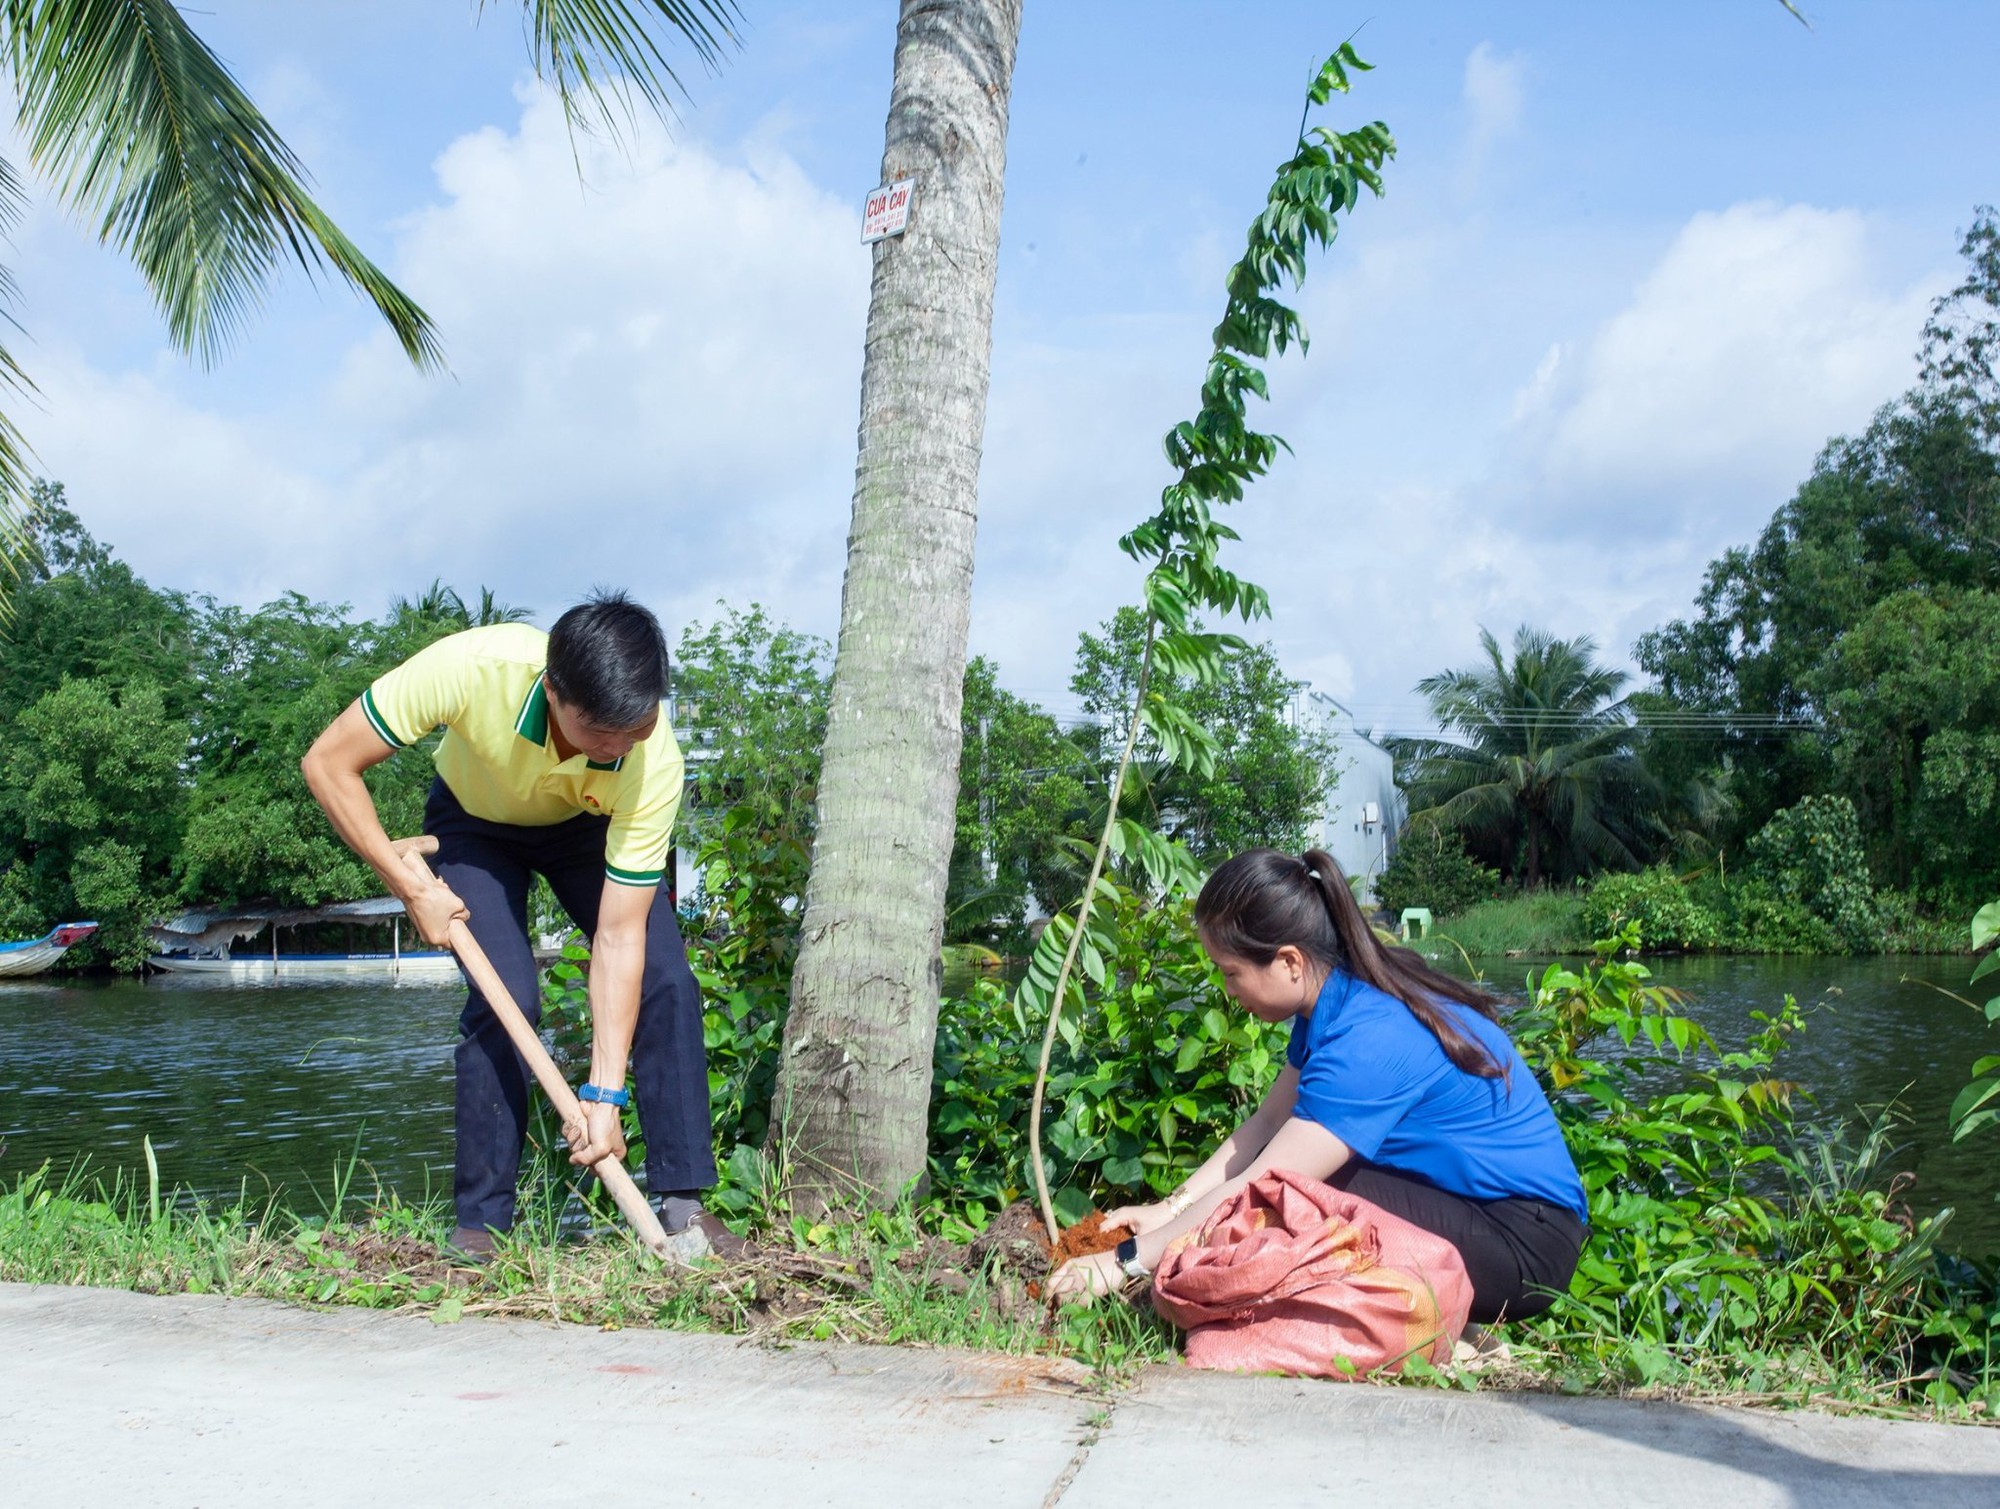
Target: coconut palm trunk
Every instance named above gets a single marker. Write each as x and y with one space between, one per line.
854 1081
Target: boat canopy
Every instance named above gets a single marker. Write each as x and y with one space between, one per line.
213 929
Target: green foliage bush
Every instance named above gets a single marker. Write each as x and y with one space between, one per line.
1156 1068
1153 1067
1725 1244
1908 926
1978 1104
1539 924
1431 868
1668 917
1811 857
90 813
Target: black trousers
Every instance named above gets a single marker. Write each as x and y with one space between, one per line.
1519 1254
490 866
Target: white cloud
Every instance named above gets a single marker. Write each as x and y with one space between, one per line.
653 382
1763 330
1533 397
1631 454
1495 90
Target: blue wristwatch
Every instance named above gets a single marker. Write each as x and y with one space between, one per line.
603 1096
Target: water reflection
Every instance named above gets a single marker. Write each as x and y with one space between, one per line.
263 1089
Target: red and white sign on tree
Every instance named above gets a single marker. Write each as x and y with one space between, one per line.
888 210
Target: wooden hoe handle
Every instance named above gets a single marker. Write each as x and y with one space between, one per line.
528 1043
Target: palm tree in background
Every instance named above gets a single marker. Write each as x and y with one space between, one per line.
1537 765
140 131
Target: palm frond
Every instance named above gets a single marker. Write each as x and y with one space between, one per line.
18 505
141 129
592 51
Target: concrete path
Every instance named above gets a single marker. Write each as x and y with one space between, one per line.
115 1398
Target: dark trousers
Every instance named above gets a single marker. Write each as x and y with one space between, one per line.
490 866
1519 1254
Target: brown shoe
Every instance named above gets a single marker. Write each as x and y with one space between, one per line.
723 1242
703 1237
471 1246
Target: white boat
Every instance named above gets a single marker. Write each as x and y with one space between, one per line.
201 942
423 968
37 954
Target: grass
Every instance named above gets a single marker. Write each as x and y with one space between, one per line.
1539 924
883 1281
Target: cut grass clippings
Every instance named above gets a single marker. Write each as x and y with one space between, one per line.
884 1281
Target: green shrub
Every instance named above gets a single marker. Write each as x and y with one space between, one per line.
1668 916
1152 1067
1908 928
1762 921
1726 1246
1810 856
1540 924
1430 868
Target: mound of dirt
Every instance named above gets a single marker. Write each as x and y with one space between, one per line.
1087 1236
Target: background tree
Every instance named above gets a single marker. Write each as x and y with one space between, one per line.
1912 695
751 696
271 681
1543 779
1024 796
1831 654
1962 337
244 694
1270 778
82 613
855 1076
91 797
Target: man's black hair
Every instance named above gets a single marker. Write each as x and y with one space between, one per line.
608 660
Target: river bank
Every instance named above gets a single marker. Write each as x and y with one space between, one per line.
1550 923
1886 1314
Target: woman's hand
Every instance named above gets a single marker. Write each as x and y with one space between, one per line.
1140 1219
1081 1280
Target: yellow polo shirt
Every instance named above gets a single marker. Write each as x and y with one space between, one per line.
484 688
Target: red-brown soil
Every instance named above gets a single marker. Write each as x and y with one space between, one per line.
1087 1236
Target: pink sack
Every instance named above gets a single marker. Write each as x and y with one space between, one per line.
1289 1275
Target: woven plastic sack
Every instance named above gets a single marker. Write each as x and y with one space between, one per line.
1289 1275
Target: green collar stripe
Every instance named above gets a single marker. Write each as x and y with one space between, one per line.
617 764
634 877
376 720
532 722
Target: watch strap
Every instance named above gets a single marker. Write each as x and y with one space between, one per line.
1127 1255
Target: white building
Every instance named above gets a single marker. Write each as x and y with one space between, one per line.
1364 810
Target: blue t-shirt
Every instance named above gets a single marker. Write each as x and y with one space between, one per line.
1375 1077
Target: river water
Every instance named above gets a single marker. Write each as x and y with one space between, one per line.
275 1088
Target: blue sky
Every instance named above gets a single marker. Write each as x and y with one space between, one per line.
1636 264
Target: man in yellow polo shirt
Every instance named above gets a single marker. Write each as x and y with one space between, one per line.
556 760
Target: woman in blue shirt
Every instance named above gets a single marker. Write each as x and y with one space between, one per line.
1399 1086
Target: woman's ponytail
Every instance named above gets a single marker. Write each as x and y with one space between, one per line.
1261 900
